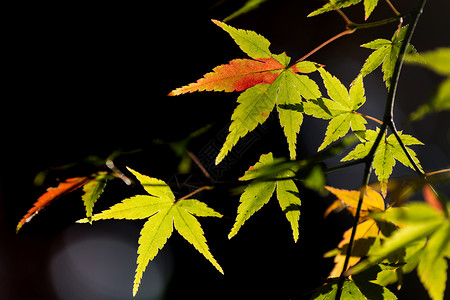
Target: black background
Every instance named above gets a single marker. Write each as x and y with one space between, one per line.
87 78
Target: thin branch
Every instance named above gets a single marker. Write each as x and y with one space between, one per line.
345 165
356 26
365 182
437 172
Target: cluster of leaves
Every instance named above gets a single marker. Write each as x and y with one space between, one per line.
387 242
395 241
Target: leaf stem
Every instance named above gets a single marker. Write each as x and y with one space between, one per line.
206 187
341 34
392 7
369 117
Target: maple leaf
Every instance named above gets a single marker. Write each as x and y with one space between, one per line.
53 193
341 109
386 155
163 213
386 53
93 189
369 6
366 232
267 81
259 192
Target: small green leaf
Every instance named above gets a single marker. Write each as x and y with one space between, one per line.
388 151
93 190
260 190
333 3
341 109
385 54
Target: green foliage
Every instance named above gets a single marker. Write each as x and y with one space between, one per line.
163 212
259 192
281 86
341 109
387 153
386 241
247 7
422 239
369 6
93 191
386 53
437 60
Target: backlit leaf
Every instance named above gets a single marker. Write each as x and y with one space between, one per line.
341 109
164 213
259 192
93 190
267 80
45 199
369 6
386 155
437 60
385 54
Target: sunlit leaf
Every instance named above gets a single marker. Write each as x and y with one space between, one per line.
163 213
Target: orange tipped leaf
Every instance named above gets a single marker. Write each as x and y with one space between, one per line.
53 193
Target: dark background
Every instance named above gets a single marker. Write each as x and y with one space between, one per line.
85 79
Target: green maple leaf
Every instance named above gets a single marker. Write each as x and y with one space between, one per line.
163 213
341 109
93 191
259 192
369 6
386 155
386 53
267 81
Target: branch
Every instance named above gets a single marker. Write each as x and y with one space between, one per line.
387 121
365 182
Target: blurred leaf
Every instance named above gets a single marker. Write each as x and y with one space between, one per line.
248 6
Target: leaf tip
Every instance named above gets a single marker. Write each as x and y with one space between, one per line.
218 23
19 226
